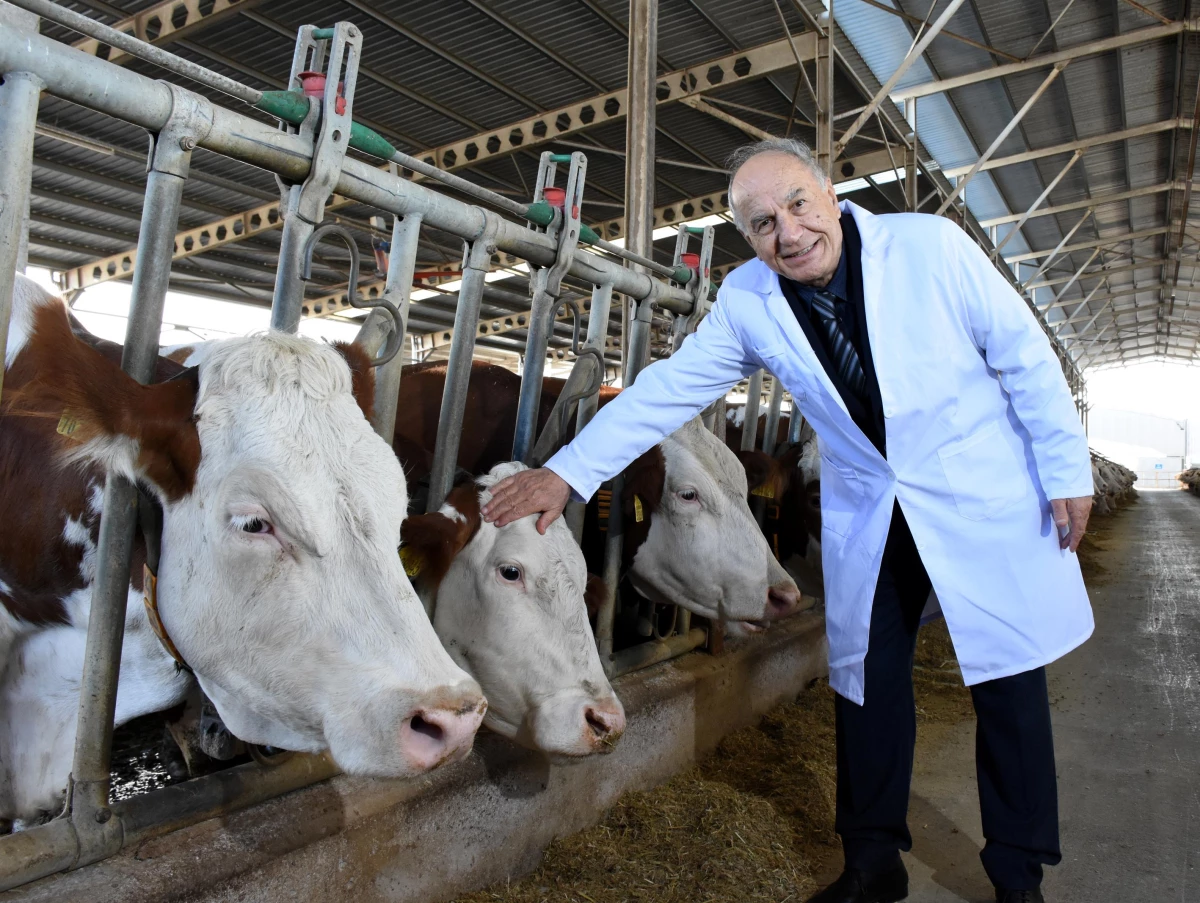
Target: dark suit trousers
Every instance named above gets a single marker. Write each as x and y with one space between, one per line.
1014 749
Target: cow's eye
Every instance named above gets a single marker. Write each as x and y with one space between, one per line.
688 495
258 526
510 573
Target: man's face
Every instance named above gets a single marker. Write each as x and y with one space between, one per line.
790 220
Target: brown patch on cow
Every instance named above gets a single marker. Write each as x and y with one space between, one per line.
64 375
181 355
430 542
362 375
645 479
594 596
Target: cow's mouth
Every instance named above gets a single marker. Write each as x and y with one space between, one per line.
759 626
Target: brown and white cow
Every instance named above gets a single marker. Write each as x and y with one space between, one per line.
279 582
510 607
708 557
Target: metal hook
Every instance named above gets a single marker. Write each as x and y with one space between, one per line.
580 353
393 343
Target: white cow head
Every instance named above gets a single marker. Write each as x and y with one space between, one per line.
684 507
279 582
510 608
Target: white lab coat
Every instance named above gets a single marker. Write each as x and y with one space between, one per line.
981 432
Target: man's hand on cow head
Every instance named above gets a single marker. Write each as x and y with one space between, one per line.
528 492
1073 515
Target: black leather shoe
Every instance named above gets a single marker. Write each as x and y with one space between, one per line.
855 886
1019 896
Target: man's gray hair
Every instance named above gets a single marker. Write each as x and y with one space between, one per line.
791 147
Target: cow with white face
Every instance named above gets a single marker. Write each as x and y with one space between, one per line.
279 582
509 605
693 539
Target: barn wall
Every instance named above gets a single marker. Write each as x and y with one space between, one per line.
475 823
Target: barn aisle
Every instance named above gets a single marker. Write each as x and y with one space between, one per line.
1127 728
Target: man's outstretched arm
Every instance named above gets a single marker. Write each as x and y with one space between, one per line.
666 395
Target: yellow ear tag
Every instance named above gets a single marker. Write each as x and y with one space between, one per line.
766 491
412 560
638 514
68 423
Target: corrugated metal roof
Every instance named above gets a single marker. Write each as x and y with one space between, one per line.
434 73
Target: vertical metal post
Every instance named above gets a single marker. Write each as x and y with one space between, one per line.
771 429
190 120
824 88
795 423
639 158
18 115
16 21
911 198
753 402
458 368
596 334
401 265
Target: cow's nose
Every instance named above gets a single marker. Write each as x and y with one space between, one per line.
783 599
434 734
605 723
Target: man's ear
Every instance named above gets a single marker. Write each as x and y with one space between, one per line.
362 375
106 416
429 543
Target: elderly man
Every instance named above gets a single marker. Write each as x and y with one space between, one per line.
952 460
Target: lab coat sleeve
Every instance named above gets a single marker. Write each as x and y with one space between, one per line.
1014 344
665 396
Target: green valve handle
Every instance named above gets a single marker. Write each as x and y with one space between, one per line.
292 106
695 230
683 275
560 158
323 34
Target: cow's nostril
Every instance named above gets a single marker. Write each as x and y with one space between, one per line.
427 728
782 600
597 722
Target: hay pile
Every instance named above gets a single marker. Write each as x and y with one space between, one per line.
753 822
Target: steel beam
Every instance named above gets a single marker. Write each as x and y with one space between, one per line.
1086 202
1021 219
1060 248
165 22
1091 48
1102 242
884 92
521 135
1153 128
1004 133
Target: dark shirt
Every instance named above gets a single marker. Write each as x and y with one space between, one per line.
846 284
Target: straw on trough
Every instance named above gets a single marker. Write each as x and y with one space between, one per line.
753 822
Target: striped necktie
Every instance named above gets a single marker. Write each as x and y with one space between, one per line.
841 350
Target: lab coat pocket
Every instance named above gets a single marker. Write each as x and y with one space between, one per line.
842 496
984 473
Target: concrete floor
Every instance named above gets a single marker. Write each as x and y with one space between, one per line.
1127 734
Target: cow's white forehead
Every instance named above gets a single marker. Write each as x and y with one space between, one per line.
694 446
273 363
285 402
563 553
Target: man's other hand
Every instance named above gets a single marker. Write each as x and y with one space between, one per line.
528 492
1072 514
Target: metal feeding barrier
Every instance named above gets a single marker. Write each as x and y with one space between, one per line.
308 154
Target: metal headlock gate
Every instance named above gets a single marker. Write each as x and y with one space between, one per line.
308 154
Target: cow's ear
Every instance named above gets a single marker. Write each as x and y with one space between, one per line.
594 596
765 477
644 482
362 375
106 416
430 542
